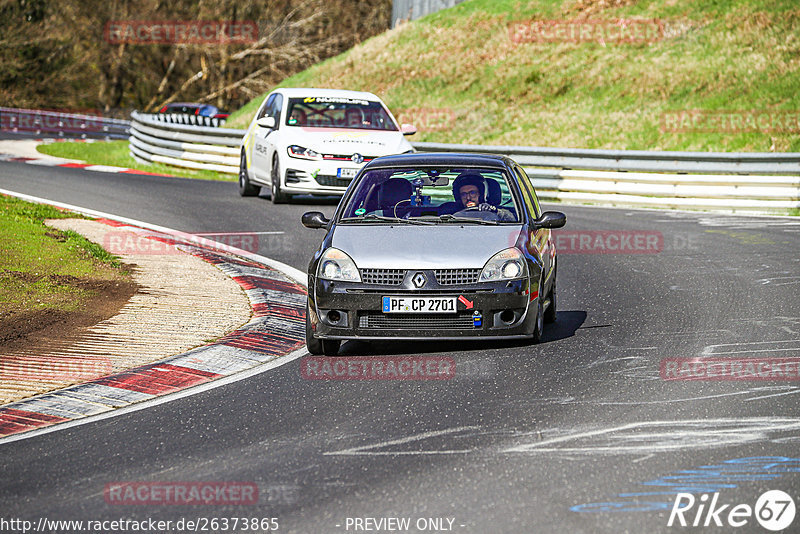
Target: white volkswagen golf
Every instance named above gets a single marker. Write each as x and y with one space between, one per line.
314 141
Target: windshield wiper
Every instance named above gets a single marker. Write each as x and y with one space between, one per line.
373 217
452 218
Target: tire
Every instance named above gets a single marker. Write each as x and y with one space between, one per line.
538 328
538 322
328 347
275 189
246 189
550 313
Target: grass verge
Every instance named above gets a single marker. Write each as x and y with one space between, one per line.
44 269
115 153
459 75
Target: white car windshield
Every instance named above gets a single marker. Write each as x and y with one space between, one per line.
435 195
337 112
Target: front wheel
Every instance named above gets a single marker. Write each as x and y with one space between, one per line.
246 189
328 347
278 197
550 314
538 329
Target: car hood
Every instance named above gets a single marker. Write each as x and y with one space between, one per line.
370 143
443 246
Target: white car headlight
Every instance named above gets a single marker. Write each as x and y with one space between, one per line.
507 264
336 265
301 152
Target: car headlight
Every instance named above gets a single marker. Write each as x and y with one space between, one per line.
301 152
336 265
507 264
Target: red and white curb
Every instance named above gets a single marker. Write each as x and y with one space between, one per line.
24 151
274 336
49 162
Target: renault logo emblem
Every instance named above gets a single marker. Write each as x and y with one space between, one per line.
357 158
419 280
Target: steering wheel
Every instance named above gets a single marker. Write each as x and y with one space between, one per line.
475 212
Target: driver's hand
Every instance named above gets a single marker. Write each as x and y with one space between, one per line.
485 206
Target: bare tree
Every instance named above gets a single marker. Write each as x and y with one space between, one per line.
58 54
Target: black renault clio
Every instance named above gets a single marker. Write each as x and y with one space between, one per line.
421 246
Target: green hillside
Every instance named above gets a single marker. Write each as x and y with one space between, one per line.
460 76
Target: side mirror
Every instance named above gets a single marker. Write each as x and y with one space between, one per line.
266 122
551 219
408 129
315 219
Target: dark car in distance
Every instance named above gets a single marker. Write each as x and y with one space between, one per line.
194 108
421 246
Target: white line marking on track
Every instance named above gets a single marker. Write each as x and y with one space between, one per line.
774 395
362 450
237 233
709 349
682 434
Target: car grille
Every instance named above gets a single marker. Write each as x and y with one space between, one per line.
453 277
386 277
345 157
332 181
373 320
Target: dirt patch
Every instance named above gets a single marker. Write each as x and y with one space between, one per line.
36 329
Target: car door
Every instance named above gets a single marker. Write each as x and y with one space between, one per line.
263 147
540 241
272 138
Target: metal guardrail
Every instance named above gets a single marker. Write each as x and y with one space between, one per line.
405 10
154 140
636 160
743 181
711 180
186 118
61 124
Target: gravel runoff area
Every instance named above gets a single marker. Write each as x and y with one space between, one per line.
183 302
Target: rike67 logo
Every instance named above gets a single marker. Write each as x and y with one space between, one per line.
774 510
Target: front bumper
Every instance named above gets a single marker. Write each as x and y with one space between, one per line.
316 177
346 310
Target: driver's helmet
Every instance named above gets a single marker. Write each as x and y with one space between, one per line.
298 117
353 117
469 178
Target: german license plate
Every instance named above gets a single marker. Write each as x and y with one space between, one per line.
346 173
419 304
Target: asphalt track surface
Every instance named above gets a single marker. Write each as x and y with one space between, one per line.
577 434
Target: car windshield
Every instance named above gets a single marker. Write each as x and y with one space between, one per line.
438 195
336 112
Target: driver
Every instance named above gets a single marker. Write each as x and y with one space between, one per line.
469 192
298 117
353 118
